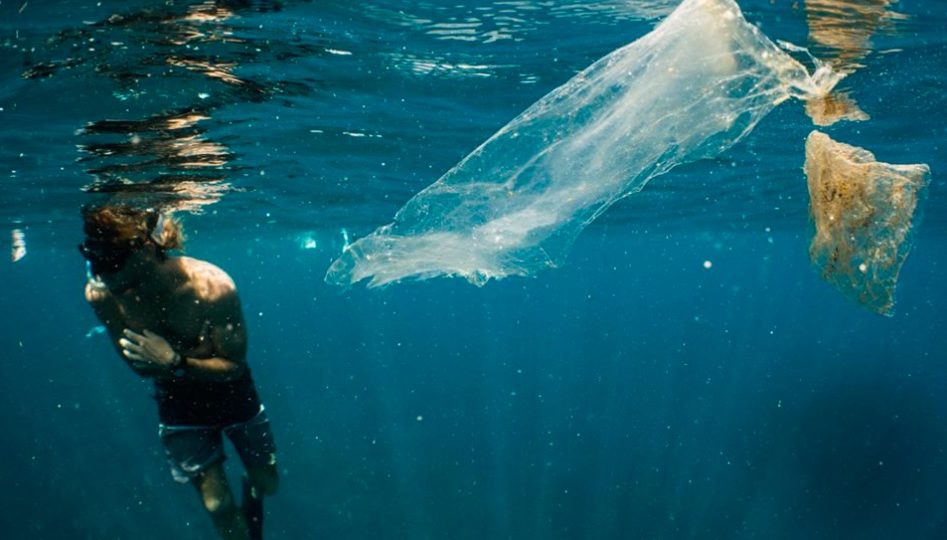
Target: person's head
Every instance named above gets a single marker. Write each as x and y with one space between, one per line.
116 233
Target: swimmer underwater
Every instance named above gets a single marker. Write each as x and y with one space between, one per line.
178 321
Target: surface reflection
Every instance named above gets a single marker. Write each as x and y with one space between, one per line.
842 30
177 66
514 20
492 24
840 33
166 156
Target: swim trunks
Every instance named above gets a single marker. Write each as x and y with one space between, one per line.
192 402
193 449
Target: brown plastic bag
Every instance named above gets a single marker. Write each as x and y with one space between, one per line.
863 211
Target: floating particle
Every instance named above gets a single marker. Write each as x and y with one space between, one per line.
94 331
307 241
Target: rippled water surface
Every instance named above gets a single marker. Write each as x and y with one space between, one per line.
315 111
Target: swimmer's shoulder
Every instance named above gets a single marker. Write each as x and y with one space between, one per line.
206 281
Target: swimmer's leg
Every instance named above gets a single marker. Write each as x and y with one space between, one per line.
258 481
218 500
252 509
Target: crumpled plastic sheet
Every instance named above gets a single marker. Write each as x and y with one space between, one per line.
864 212
690 89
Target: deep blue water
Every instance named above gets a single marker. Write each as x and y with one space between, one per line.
632 393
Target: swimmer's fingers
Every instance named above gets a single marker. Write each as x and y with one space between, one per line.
149 340
150 347
140 356
158 348
131 334
130 345
134 356
151 335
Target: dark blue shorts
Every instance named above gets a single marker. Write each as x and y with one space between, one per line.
193 449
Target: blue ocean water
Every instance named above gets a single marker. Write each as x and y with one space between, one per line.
686 374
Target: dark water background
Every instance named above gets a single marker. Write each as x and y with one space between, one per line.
633 393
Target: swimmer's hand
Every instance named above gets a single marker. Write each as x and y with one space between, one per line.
148 350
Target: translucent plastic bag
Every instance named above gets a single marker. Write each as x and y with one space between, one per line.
863 211
690 89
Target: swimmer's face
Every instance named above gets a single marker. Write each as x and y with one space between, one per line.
114 236
107 257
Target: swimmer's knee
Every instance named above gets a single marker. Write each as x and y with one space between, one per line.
219 504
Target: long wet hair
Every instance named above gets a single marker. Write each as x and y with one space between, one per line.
134 226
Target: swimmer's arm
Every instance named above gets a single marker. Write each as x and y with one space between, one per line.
227 333
221 354
223 337
106 309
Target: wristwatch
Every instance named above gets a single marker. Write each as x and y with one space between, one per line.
177 365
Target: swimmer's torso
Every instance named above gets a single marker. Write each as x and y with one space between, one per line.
184 316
